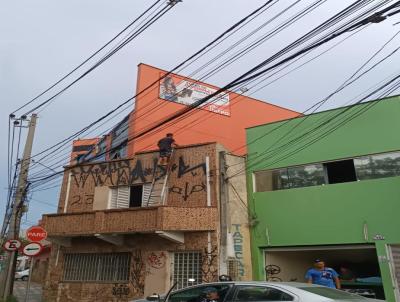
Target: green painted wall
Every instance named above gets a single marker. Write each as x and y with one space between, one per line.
374 131
330 214
334 213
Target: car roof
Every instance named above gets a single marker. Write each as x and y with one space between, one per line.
291 284
283 285
291 287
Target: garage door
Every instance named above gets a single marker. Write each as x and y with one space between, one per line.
291 263
395 260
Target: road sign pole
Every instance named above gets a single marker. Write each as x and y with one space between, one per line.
7 276
28 285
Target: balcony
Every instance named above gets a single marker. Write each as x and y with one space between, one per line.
160 220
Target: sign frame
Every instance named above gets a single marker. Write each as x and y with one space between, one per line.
182 90
19 244
40 246
38 229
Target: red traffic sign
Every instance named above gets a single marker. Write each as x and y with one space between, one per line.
32 249
12 245
36 234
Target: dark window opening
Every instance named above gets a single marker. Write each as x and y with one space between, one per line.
135 199
119 151
340 171
82 148
116 155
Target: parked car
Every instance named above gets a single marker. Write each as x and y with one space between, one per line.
22 275
258 291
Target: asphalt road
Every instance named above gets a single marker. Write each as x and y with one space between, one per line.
35 292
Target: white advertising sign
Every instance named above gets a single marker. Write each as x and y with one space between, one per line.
187 92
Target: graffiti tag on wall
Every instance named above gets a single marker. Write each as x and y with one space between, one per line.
123 173
238 248
114 173
198 172
137 272
271 271
187 190
120 290
157 260
86 199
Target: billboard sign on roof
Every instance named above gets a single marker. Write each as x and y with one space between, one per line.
179 90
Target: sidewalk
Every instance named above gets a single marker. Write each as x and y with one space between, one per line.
35 292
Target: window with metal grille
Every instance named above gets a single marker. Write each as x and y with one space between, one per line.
97 267
233 268
187 269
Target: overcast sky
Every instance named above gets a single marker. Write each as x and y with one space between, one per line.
43 40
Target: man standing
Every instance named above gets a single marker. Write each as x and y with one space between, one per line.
322 275
165 145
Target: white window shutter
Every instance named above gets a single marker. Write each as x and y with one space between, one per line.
146 194
120 197
114 195
123 197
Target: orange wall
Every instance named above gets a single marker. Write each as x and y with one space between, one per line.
201 125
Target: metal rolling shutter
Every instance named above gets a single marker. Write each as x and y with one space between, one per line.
395 249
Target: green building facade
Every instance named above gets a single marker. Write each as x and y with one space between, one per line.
327 186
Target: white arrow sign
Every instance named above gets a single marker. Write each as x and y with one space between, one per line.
32 249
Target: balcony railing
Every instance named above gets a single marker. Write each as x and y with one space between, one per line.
124 221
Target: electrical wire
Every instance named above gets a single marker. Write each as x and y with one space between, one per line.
345 84
43 202
104 59
349 81
87 59
394 81
314 4
224 34
356 25
347 29
242 78
233 103
305 10
329 38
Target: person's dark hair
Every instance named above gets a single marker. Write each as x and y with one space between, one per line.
169 81
170 134
187 92
224 278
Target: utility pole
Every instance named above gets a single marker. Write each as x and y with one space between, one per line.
7 275
223 208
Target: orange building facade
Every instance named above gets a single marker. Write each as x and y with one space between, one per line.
224 119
